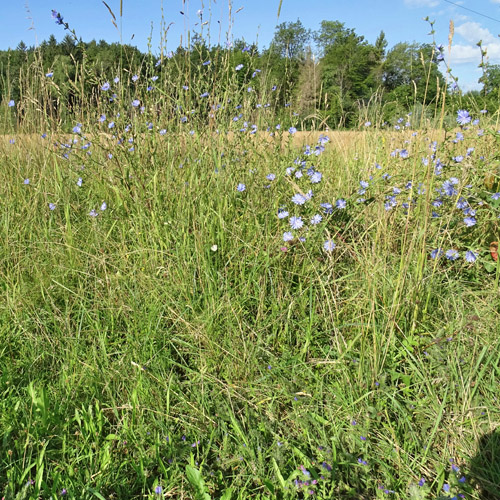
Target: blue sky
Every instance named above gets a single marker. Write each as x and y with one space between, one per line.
255 20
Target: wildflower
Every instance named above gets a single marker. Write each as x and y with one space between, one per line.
240 66
403 153
495 196
102 118
93 213
50 74
316 177
436 253
206 63
26 181
158 490
446 488
296 222
292 130
470 256
463 117
59 20
340 204
106 86
327 207
363 184
367 124
282 214
77 128
298 199
287 236
104 206
329 246
111 124
241 187
116 79
452 254
52 206
205 94
136 103
79 182
135 78
63 492
316 219
270 177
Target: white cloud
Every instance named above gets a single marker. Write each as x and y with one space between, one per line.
473 32
469 52
495 1
422 3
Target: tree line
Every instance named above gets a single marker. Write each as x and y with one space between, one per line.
332 75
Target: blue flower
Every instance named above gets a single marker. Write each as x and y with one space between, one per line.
292 130
241 187
340 203
77 128
316 177
282 214
470 221
135 78
270 177
436 253
50 74
316 219
136 103
79 182
52 206
470 256
288 236
240 66
205 94
58 18
106 86
327 207
452 254
463 117
206 63
296 222
104 206
11 103
158 490
329 245
299 199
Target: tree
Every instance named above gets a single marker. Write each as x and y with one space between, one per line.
410 71
290 40
347 68
491 79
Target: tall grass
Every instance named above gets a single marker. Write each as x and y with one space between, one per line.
159 338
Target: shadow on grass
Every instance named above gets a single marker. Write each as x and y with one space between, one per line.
485 466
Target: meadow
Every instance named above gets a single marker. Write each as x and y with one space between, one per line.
203 299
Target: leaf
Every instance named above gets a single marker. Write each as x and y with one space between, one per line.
196 480
278 474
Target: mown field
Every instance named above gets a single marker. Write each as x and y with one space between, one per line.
224 311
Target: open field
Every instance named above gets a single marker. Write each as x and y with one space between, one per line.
160 328
205 297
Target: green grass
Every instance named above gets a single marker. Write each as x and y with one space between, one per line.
134 353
